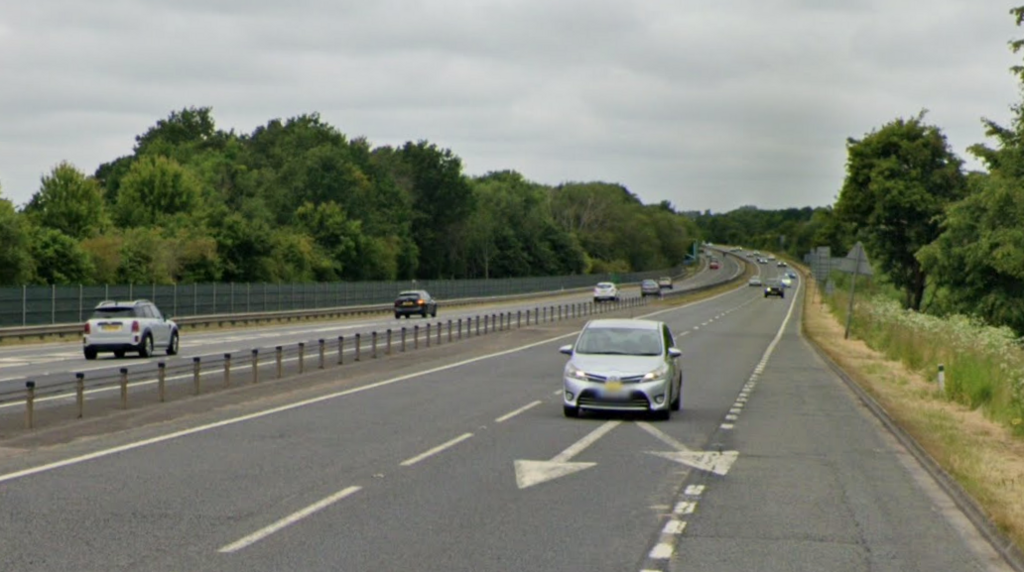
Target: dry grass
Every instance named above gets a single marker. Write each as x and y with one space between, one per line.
983 456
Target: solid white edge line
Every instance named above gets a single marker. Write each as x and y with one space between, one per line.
435 450
287 521
512 414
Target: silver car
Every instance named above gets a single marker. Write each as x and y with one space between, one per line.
623 365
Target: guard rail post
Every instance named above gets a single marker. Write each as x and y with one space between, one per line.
449 331
197 382
341 350
428 334
459 325
358 346
278 357
80 393
388 350
559 312
519 319
403 338
161 377
373 344
439 328
322 348
124 388
30 404
416 337
302 357
255 365
227 370
478 324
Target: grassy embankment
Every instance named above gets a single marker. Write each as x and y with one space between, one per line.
975 428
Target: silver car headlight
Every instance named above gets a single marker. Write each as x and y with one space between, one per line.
574 372
657 374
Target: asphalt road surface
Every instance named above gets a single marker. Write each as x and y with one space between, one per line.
462 461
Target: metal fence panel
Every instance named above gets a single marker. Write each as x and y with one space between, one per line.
40 305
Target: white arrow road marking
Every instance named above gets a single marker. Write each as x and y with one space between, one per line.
529 473
711 461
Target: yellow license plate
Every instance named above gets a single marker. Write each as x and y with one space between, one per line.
613 386
112 328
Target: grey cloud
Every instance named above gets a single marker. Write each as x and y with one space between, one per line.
706 104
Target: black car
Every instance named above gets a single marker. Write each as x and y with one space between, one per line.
415 302
774 288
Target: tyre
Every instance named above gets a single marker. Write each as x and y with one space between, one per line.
119 353
398 316
172 348
782 296
90 353
146 349
434 313
662 415
570 411
424 313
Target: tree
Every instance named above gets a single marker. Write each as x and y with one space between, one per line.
70 202
441 201
899 181
978 260
15 260
58 258
156 190
179 134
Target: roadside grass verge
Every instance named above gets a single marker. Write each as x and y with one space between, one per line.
972 429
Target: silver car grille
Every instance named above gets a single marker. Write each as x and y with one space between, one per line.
597 378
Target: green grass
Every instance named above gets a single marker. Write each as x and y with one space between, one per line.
984 366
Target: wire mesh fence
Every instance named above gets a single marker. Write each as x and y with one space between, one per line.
40 305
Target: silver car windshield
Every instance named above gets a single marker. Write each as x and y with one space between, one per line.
619 341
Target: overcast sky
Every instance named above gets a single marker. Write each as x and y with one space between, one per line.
710 104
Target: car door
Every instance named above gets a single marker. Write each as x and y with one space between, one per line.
158 326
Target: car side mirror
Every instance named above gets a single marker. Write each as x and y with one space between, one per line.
675 352
567 350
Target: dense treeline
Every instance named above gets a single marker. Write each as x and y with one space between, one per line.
298 201
947 240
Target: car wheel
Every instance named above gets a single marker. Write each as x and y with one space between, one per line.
782 295
434 313
146 349
119 353
90 353
397 316
172 348
424 313
570 411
